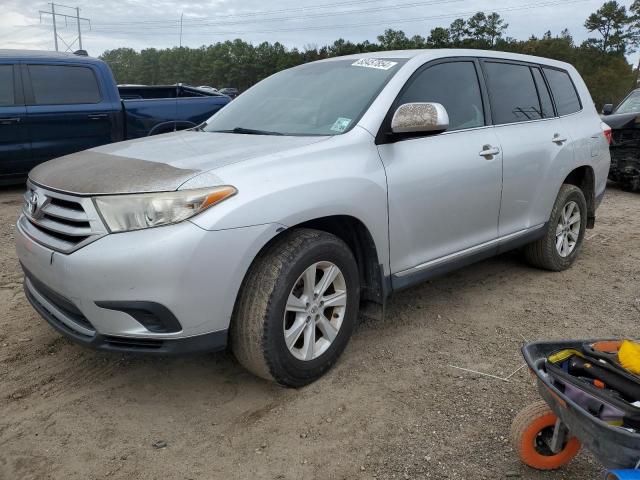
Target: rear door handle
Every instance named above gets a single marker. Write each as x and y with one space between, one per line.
7 121
559 139
97 116
488 152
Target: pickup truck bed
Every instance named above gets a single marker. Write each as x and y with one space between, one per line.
146 111
53 104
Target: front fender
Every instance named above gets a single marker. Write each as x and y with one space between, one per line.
346 178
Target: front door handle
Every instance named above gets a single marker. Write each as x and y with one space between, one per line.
559 139
488 152
97 116
8 121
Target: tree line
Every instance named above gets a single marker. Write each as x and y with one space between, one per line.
235 63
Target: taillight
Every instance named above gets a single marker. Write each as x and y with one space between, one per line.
606 130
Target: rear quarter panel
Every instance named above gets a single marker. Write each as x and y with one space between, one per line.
585 129
590 148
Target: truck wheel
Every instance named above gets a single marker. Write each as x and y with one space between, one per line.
297 308
559 247
531 433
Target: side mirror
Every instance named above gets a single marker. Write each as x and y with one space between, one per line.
607 109
420 117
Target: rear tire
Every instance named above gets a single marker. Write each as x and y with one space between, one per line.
545 252
288 326
530 429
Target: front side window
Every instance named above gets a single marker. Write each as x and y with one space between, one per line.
320 98
454 85
512 93
7 91
564 93
63 85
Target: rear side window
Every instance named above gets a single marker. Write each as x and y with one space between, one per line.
513 93
543 93
563 90
454 85
63 84
7 91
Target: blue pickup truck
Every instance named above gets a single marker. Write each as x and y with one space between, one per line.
53 104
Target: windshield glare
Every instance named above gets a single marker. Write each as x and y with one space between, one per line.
631 104
321 98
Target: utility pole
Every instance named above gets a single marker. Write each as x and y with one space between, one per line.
76 17
55 31
79 29
181 16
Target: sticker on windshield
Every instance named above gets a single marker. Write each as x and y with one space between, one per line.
340 125
374 63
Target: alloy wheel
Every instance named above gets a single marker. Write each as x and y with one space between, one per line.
315 310
568 229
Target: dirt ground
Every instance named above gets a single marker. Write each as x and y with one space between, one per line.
391 408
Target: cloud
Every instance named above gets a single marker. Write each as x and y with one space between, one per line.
156 23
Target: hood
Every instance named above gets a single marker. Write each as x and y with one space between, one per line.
156 164
621 120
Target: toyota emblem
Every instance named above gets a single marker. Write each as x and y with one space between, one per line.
32 203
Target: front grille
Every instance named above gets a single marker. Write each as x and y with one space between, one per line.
59 221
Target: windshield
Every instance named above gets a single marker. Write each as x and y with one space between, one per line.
631 104
321 98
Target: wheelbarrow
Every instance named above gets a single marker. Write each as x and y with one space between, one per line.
548 434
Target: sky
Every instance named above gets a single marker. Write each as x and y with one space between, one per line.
142 24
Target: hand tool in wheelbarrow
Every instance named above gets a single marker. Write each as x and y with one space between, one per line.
621 354
628 389
548 434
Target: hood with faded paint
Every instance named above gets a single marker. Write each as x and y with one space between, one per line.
156 164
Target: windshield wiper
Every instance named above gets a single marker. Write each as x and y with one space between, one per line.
249 131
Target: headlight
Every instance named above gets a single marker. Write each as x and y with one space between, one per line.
122 213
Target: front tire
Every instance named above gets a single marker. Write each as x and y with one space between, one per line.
297 308
559 247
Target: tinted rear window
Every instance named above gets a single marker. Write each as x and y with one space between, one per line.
563 90
513 93
58 84
543 93
7 94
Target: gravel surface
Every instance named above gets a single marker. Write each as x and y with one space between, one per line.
391 408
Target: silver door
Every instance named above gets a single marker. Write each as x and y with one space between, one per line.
535 153
536 144
444 190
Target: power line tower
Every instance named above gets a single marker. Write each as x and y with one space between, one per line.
77 18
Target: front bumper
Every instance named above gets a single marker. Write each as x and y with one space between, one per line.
193 273
210 342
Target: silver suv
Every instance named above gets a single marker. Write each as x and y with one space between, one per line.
323 186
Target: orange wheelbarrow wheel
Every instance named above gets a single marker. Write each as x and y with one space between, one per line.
532 435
